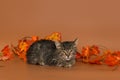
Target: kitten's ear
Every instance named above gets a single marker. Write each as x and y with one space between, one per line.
75 42
58 44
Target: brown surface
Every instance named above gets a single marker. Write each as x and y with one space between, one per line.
18 70
92 21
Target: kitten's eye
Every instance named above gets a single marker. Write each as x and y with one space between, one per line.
64 51
70 51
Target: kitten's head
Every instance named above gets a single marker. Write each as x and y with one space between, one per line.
67 49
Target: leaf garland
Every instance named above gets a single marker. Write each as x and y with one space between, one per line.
89 54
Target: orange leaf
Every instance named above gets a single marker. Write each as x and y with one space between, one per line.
96 60
54 36
7 54
34 38
110 60
23 46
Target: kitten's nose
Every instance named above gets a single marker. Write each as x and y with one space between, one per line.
67 58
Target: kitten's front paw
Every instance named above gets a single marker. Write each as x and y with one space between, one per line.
68 66
41 63
60 65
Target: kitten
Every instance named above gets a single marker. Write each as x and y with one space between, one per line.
48 52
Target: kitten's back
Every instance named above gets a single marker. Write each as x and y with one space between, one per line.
40 50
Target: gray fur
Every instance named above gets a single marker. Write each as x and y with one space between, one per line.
48 52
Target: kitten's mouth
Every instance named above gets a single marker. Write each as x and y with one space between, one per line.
67 59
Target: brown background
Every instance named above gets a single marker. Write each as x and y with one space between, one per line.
92 21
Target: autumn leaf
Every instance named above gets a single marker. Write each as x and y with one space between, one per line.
78 56
23 46
6 53
96 60
110 60
94 50
54 36
89 51
34 38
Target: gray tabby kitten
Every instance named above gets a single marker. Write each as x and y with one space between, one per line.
48 52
